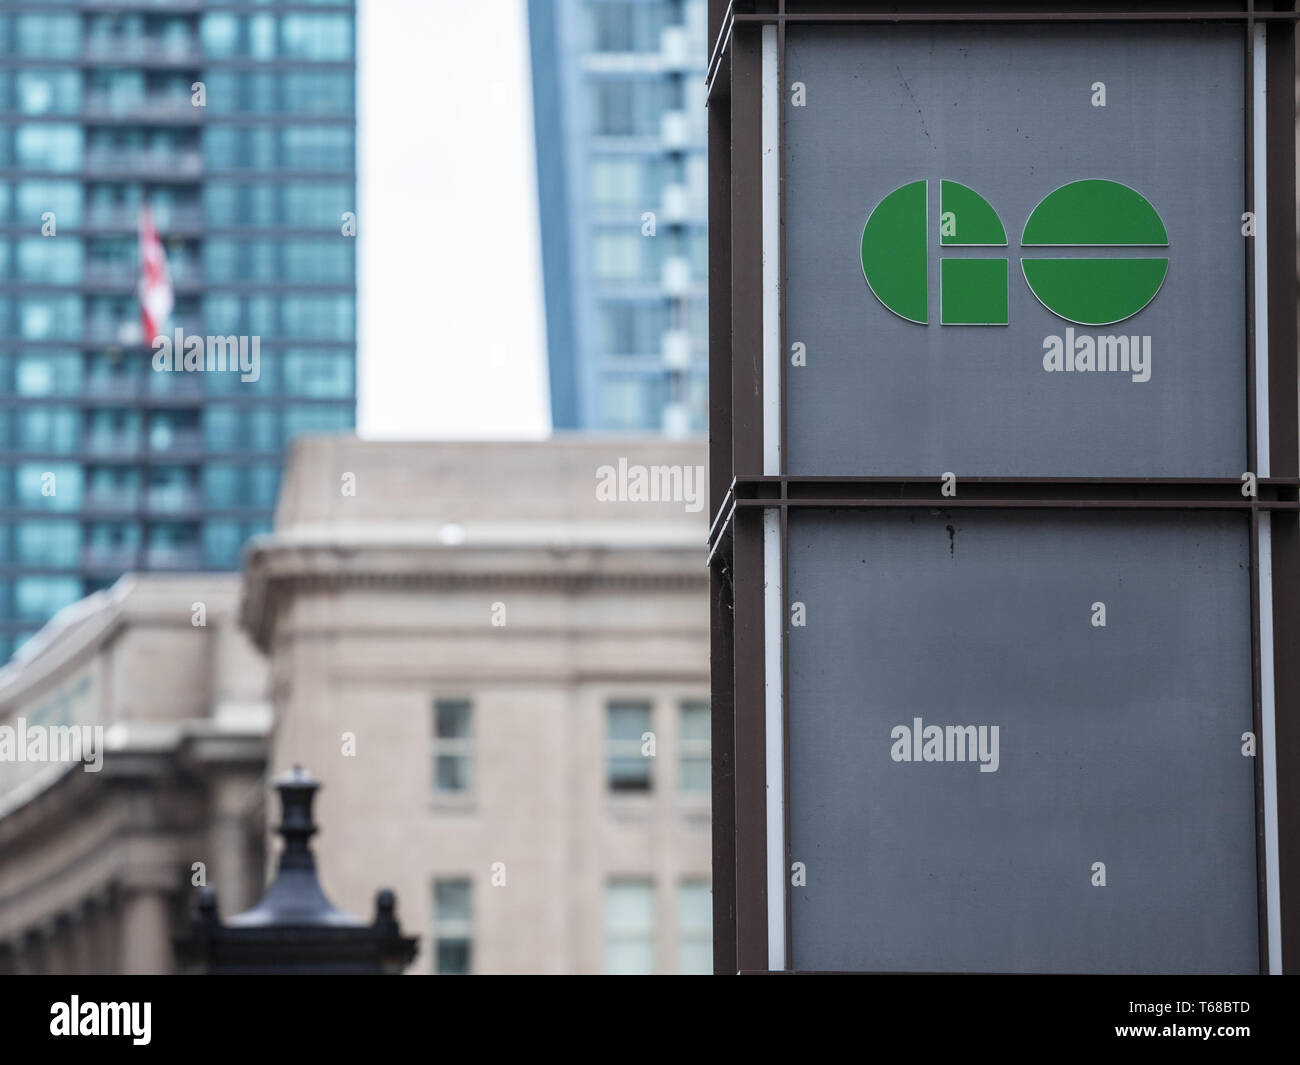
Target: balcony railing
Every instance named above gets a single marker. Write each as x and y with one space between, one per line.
165 219
146 107
113 160
176 440
111 387
112 444
170 499
165 49
114 501
183 272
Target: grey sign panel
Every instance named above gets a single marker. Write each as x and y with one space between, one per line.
1014 113
1118 749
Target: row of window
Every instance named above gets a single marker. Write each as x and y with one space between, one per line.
291 203
218 485
631 106
631 748
67 261
40 260
109 434
322 37
70 91
70 544
626 254
637 401
61 316
182 545
630 931
292 372
189 541
263 36
37 598
286 148
63 148
639 182
310 92
223 203
624 27
637 327
289 373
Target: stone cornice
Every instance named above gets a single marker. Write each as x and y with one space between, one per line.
276 569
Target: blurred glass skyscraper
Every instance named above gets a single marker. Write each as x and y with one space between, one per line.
618 98
105 464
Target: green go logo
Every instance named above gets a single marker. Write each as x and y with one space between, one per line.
1083 214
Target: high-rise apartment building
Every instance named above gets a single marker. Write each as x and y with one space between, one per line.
234 122
618 96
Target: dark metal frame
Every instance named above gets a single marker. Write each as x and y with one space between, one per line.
740 493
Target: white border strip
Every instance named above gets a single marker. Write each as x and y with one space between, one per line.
773 601
1259 58
775 740
1268 745
1267 696
771 198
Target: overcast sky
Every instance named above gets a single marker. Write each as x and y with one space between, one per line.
451 327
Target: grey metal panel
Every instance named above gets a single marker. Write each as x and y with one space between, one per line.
1007 111
1119 744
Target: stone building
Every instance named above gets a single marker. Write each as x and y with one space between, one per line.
495 657
98 854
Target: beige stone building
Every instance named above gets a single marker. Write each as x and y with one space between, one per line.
96 866
495 657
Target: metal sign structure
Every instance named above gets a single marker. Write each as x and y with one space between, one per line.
1005 464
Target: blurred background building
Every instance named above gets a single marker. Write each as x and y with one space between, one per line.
164 471
502 683
97 869
618 98
500 677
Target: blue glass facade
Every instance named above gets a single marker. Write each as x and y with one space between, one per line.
618 99
107 465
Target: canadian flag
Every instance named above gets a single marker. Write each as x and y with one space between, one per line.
156 297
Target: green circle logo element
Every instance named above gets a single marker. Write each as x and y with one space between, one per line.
1092 213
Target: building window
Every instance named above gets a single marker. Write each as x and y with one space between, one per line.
319 317
40 92
316 93
40 598
318 374
48 36
693 774
45 147
48 543
318 148
317 418
316 36
629 927
453 931
452 746
694 927
626 725
34 198
220 35
221 544
619 256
